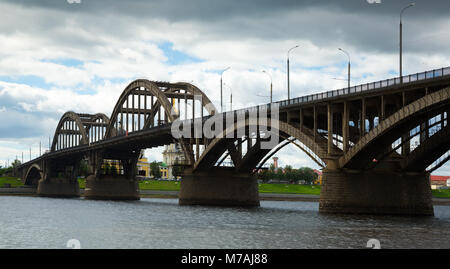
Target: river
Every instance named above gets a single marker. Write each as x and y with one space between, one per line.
35 222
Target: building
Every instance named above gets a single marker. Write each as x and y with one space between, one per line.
143 167
438 182
172 155
164 170
318 181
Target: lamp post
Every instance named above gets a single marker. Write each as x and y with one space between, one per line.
289 89
221 89
270 76
348 55
401 38
231 96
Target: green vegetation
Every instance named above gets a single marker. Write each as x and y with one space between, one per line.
159 185
441 193
289 188
13 181
154 169
82 183
288 174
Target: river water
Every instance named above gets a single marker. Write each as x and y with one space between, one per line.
35 222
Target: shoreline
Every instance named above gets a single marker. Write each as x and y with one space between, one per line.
263 196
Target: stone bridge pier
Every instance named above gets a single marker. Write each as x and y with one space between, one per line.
379 191
59 178
118 183
220 186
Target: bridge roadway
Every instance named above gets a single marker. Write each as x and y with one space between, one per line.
378 131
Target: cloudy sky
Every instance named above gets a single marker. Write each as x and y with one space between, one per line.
78 55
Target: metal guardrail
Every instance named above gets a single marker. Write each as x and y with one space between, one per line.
445 71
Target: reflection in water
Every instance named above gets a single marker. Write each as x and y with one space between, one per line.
33 222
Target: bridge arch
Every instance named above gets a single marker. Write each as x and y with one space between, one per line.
70 126
218 146
390 129
33 175
163 92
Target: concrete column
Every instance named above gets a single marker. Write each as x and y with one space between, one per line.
376 192
345 127
219 187
382 109
330 128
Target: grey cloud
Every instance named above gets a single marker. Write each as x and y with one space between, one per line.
355 23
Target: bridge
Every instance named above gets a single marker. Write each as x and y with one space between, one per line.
377 144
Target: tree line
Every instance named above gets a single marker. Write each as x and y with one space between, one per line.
288 174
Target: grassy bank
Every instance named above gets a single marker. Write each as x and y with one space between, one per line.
12 181
441 193
175 186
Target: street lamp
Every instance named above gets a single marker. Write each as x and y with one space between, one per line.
289 89
264 71
401 38
348 55
221 91
231 96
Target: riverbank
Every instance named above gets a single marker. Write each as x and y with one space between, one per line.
27 191
170 189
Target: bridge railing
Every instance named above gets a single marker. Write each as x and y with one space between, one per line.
445 71
369 86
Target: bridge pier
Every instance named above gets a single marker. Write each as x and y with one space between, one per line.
219 187
376 192
111 187
58 187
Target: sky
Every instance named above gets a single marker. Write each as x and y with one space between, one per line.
79 55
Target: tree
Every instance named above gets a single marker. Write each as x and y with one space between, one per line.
154 169
16 163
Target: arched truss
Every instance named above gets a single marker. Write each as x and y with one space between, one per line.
431 153
70 132
285 142
145 104
95 126
34 173
217 147
380 138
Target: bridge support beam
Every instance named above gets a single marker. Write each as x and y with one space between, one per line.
111 187
58 187
376 192
219 187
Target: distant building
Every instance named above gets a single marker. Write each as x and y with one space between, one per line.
143 167
437 182
318 181
164 170
172 155
275 163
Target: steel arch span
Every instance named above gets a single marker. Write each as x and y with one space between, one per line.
375 142
218 146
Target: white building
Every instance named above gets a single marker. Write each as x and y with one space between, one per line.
173 154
